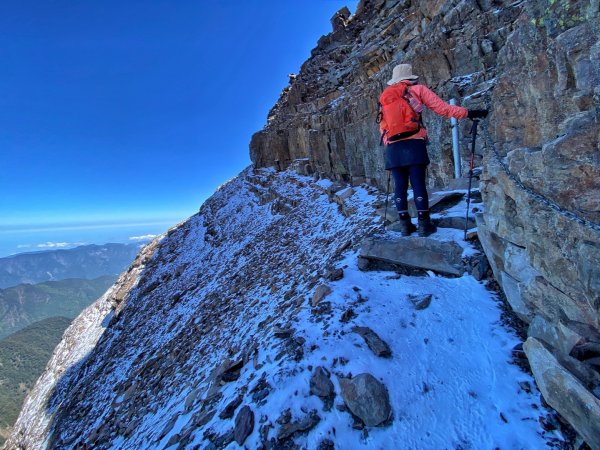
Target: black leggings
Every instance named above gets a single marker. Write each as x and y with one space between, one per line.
416 174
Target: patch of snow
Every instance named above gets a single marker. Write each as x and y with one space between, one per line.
324 183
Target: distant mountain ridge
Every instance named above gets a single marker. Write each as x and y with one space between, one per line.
87 261
24 304
23 356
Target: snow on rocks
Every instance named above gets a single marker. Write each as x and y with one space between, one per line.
243 331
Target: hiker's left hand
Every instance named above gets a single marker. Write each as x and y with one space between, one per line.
477 113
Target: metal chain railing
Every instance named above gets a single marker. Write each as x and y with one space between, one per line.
489 142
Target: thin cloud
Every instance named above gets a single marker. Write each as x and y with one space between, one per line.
45 245
146 237
59 244
78 227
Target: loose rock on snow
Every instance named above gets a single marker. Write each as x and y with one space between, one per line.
227 413
244 424
305 424
375 343
321 292
367 398
421 301
321 386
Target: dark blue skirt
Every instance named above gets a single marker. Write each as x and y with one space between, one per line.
406 153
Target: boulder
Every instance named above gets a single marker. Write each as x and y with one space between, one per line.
390 213
556 335
478 266
444 257
345 193
564 392
367 398
230 408
334 274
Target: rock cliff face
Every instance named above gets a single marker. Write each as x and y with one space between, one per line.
536 66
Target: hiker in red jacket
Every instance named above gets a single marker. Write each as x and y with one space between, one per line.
406 138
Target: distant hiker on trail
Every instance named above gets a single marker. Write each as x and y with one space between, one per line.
405 137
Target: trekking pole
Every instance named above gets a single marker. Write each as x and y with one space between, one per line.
474 133
387 194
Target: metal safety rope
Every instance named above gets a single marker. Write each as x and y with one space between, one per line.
534 195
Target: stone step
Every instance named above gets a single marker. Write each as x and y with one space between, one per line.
413 254
438 201
455 222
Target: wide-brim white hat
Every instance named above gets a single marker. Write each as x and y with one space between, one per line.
402 72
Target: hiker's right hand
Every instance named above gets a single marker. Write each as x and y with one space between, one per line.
477 113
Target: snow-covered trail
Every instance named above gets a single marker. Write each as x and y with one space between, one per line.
450 379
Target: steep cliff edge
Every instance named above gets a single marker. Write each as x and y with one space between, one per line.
536 65
251 325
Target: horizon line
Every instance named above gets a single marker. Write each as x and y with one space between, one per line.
31 228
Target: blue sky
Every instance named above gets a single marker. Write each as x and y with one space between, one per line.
132 112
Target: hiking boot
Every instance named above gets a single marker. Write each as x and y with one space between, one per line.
426 227
406 227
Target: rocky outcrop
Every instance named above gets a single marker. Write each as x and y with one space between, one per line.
563 390
536 66
541 189
325 120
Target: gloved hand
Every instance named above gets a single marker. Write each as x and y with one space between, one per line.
478 113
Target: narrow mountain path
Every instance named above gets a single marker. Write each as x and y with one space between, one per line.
267 321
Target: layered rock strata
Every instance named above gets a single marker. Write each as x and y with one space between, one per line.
325 120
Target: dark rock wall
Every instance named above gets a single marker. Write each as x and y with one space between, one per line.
327 114
536 65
